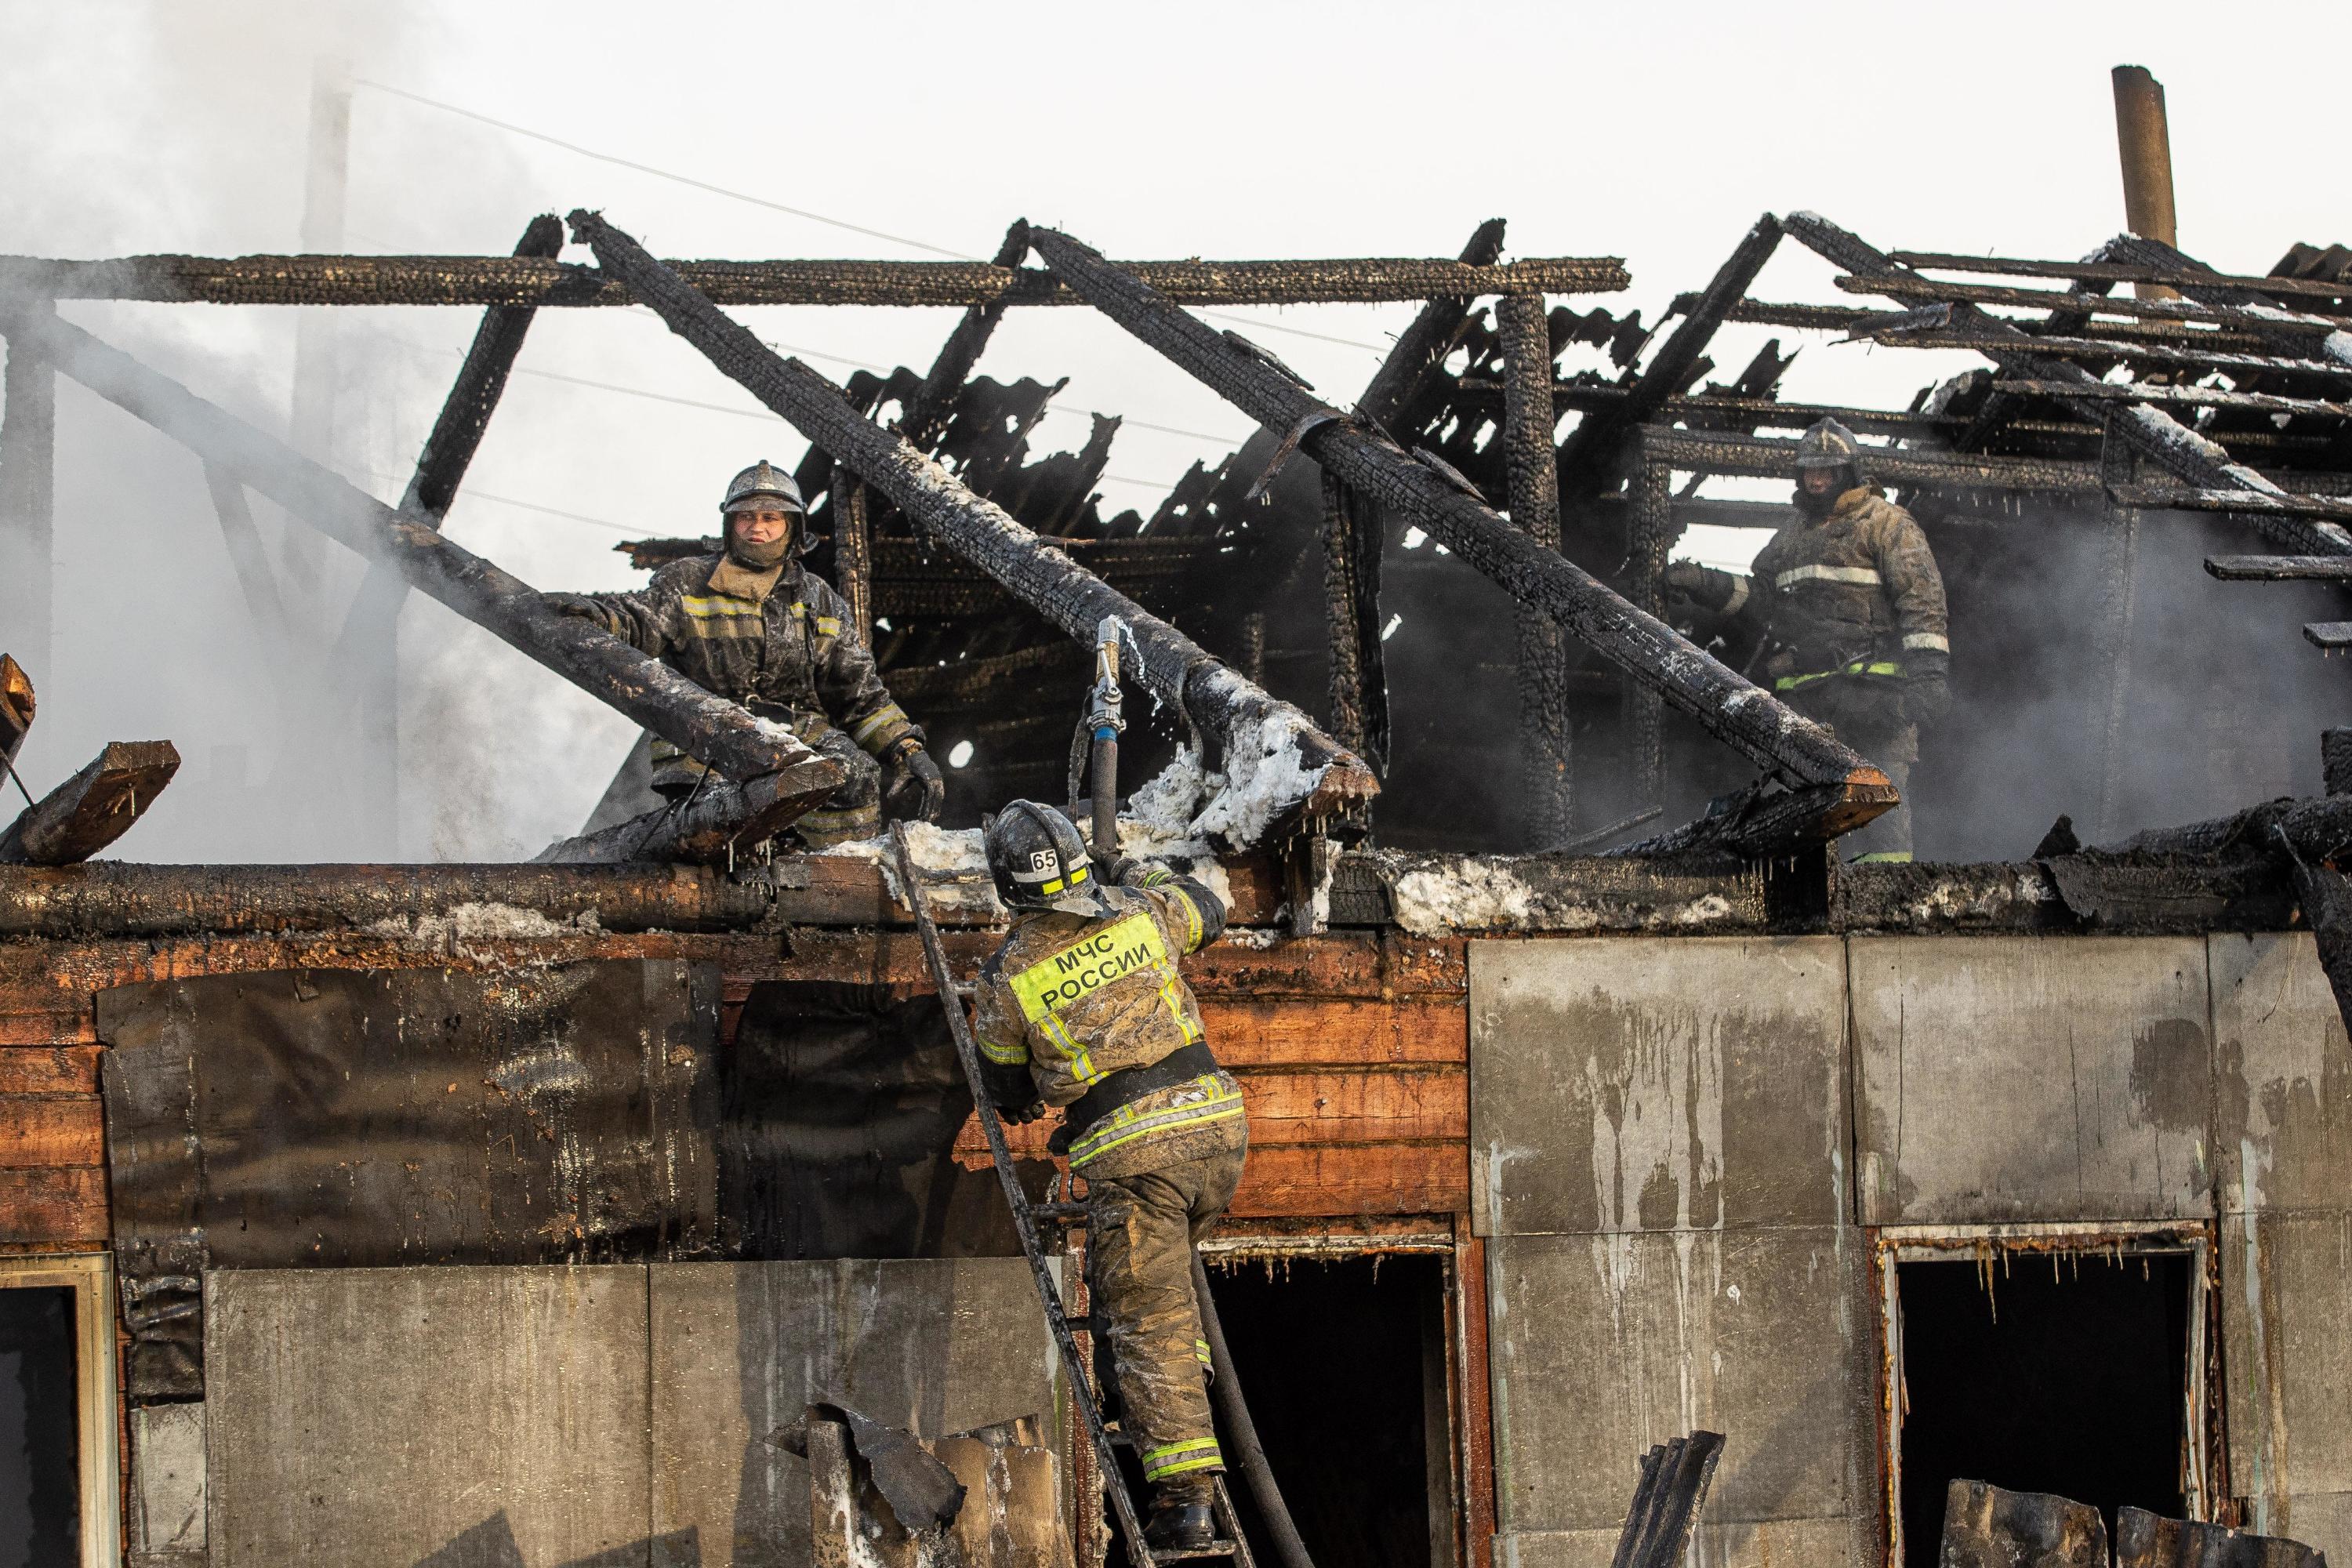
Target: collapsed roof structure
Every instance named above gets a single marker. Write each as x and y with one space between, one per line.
265 1106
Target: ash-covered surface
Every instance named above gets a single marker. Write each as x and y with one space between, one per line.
1432 895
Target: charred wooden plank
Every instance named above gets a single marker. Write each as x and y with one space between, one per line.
93 808
65 1130
2280 568
717 731
1726 705
1420 348
2177 397
2245 318
1586 457
2290 331
40 1067
532 281
2111 271
1351 617
1911 330
925 413
706 829
1274 759
1726 452
18 704
54 1207
2198 462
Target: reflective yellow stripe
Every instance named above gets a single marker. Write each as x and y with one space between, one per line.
1936 641
1859 666
1079 970
881 718
1739 595
1863 576
719 606
1192 919
1175 1001
1201 1352
1003 1056
1126 1124
1174 1458
828 626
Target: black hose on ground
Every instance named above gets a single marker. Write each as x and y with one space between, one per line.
1248 1453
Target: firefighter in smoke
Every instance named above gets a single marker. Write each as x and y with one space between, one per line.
1850 597
753 625
1082 1007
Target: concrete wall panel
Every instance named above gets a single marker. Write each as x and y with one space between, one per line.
1641 1084
375 1416
1603 1345
2023 1079
740 1349
2286 1323
2281 1075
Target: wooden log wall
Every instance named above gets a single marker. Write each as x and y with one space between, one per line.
1353 1048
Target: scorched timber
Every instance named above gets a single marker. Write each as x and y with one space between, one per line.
709 728
1375 468
535 280
94 807
1252 732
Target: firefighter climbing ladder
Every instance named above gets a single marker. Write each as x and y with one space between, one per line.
953 995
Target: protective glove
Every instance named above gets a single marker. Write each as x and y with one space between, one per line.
582 606
916 790
1926 698
1702 585
1013 1091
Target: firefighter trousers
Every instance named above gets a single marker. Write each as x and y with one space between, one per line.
1141 1229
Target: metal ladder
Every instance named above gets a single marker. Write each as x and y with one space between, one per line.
954 996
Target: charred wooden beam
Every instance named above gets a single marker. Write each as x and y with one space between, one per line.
853 551
28 442
1726 705
1547 787
925 413
719 733
2154 434
18 705
2119 272
1586 457
2180 397
706 829
2300 326
1276 762
93 808
2290 331
1420 348
534 280
110 897
1724 452
1909 330
1351 545
2172 498
2281 568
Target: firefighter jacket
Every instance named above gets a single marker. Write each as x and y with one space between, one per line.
777 641
1855 593
1074 998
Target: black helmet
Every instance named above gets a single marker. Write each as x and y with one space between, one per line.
764 487
1039 862
1829 444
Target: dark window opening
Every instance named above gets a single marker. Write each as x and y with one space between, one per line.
1344 1362
40 1466
2065 1373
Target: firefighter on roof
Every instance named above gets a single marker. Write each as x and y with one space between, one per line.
753 624
1849 595
1082 1007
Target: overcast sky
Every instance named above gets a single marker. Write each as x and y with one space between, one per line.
1232 131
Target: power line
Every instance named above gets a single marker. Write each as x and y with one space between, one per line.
763 414
629 164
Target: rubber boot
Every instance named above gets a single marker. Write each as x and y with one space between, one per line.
1181 1518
